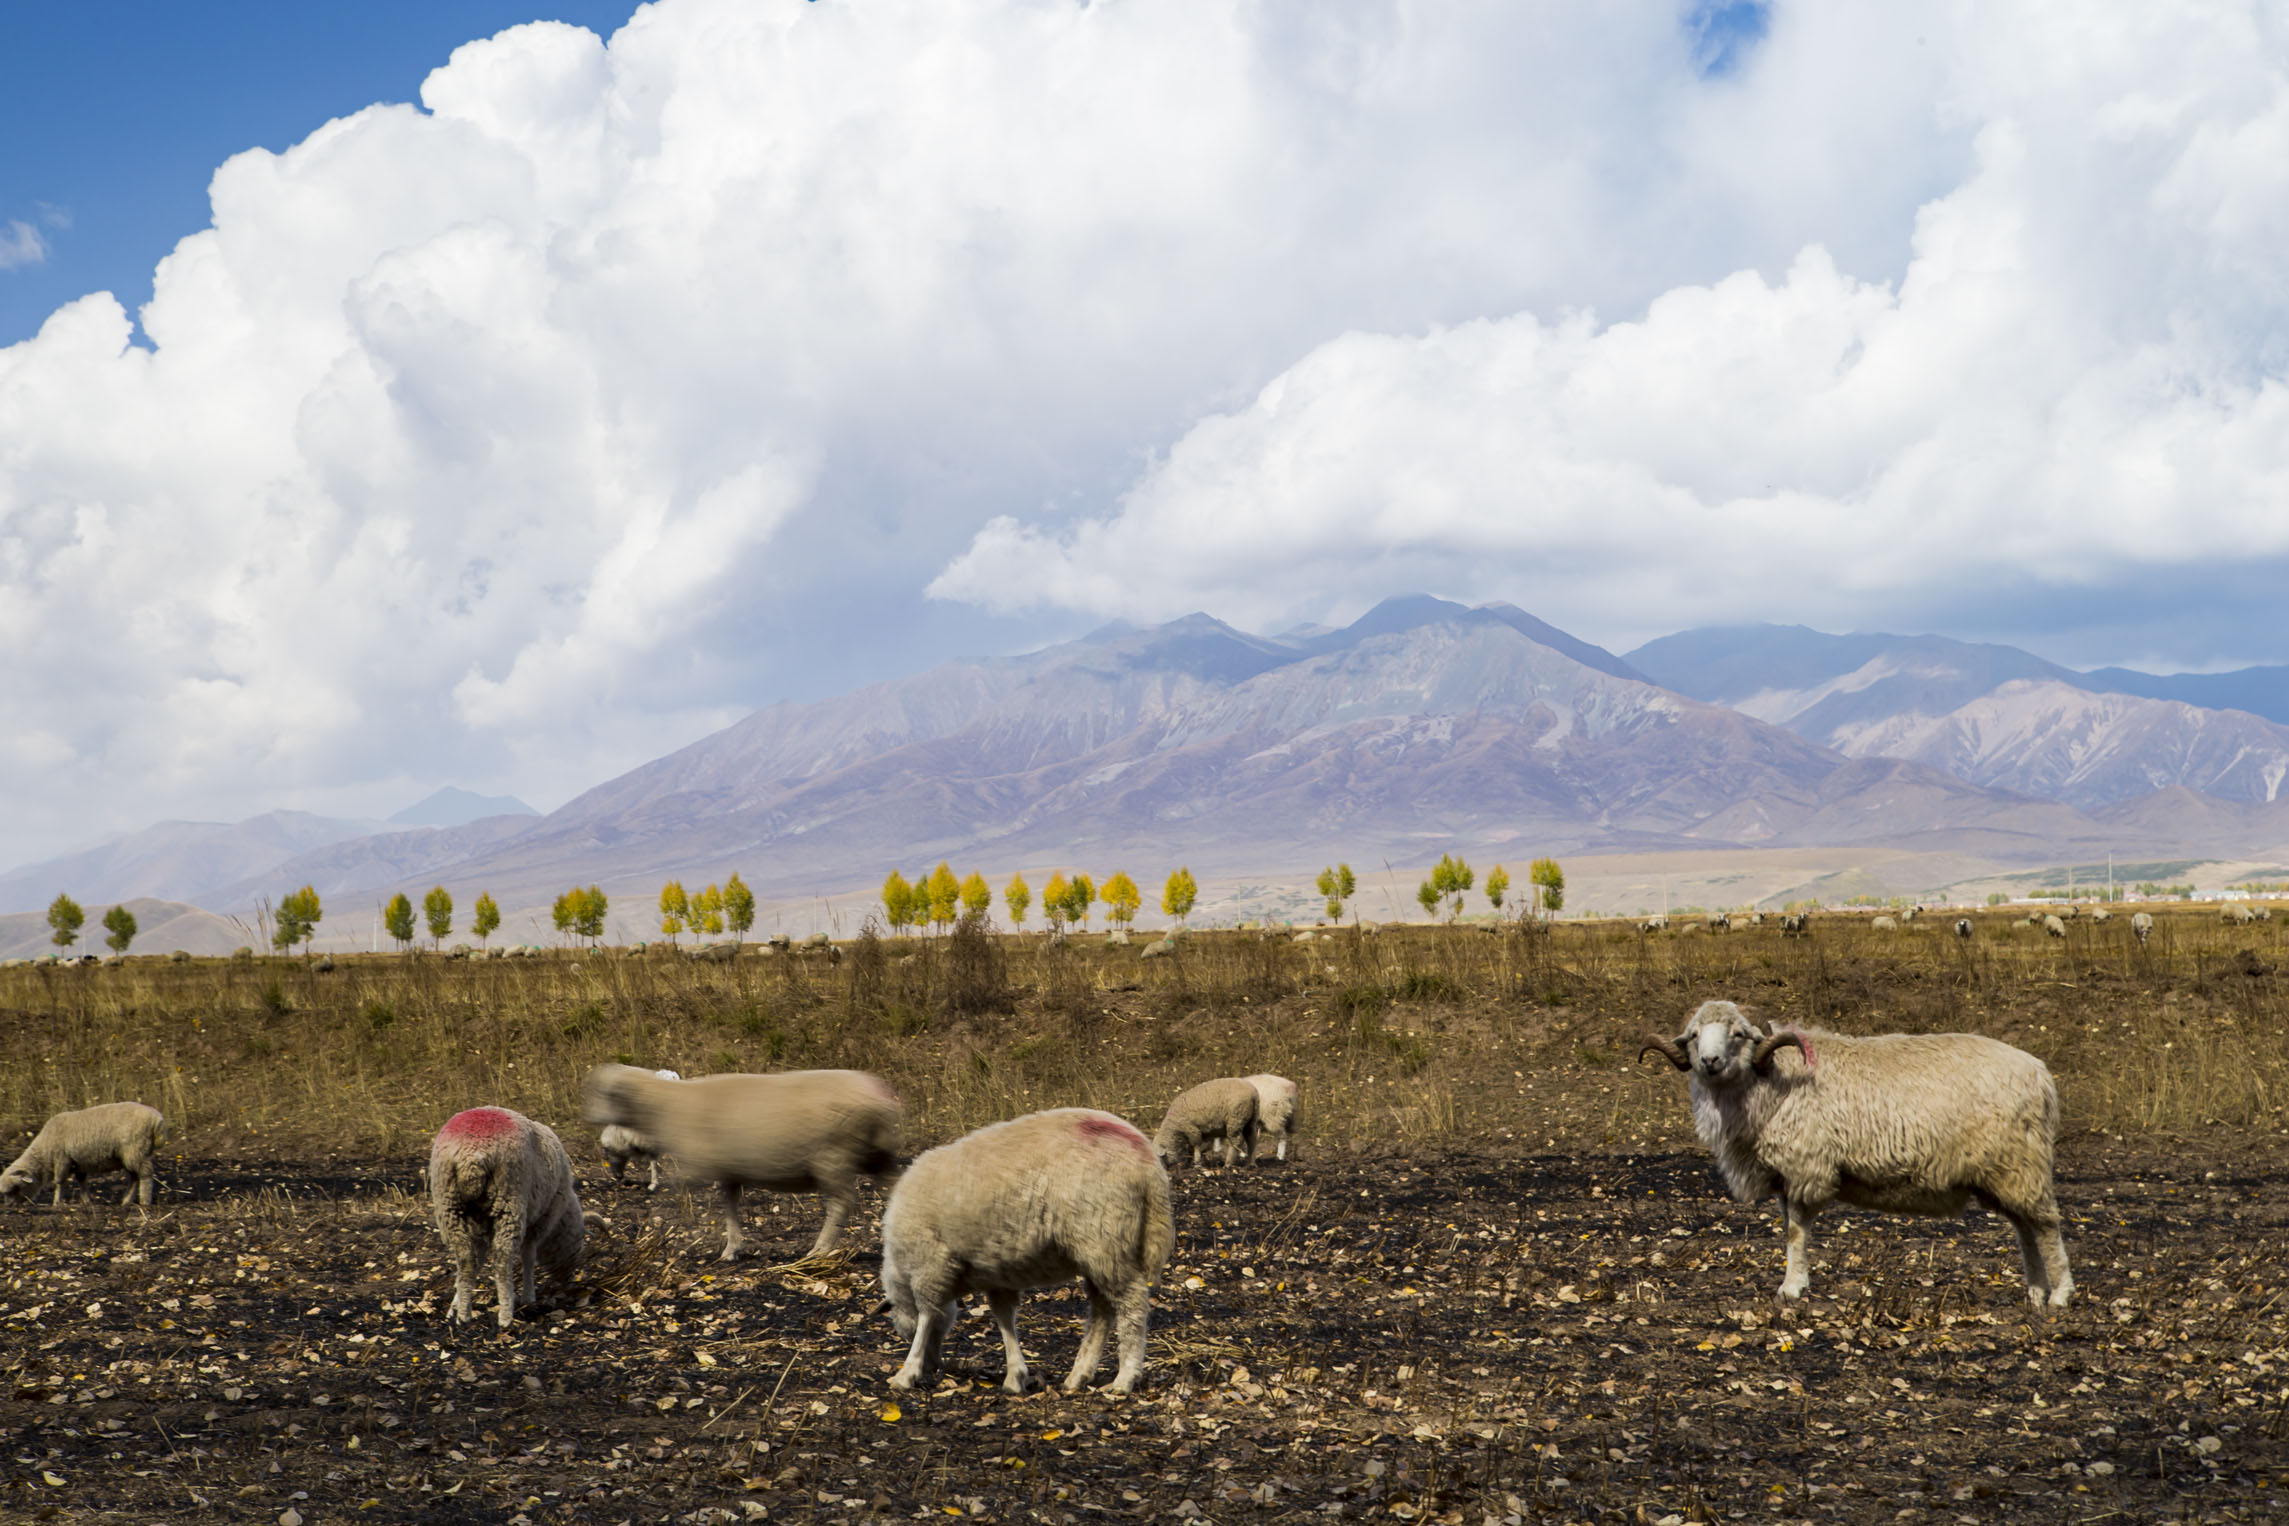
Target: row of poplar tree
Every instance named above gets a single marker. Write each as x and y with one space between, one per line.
939 899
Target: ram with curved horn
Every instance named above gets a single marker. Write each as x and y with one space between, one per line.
1900 1123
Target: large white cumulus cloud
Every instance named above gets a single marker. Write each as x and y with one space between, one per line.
2075 387
517 436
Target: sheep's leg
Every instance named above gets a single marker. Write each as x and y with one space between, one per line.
655 1175
1091 1356
921 1354
2042 1249
468 1256
733 1238
128 1197
506 1241
1003 1301
531 1283
143 1186
1283 1146
1135 1314
1796 1222
842 1197
932 1317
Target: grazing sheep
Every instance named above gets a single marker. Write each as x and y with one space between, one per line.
1910 913
1224 1109
1653 925
622 1144
1901 1123
797 1131
1884 925
2141 925
1962 927
95 1141
2101 914
1160 948
1795 924
501 1195
1718 922
1275 1109
1756 919
1023 1204
2054 927
2236 913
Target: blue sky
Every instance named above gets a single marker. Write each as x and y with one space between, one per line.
116 114
590 396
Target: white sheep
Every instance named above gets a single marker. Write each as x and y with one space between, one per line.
797 1131
501 1195
2236 913
1224 1109
1653 925
1276 1098
1024 1204
1901 1123
2101 914
1795 924
2141 925
1884 925
1962 927
1718 922
2053 927
94 1141
622 1144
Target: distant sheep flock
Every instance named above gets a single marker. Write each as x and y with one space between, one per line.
1895 1123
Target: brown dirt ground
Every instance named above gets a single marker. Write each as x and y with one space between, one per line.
1449 1336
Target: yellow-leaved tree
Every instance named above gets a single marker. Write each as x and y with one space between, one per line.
977 895
945 894
1121 900
1179 894
1017 895
675 908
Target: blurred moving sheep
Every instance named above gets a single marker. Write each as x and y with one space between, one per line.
797 1131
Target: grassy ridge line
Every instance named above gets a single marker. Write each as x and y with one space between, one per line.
1418 1034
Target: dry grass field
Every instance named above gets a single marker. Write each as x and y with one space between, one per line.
1500 1280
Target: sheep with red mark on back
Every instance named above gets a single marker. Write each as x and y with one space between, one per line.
1067 1193
501 1195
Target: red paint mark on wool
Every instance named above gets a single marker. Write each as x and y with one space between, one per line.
1811 1061
1099 1127
479 1123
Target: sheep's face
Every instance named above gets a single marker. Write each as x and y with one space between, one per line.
16 1180
1721 1042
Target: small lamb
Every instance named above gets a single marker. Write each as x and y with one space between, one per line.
622 1144
1275 1109
501 1195
1024 1204
1225 1109
115 1136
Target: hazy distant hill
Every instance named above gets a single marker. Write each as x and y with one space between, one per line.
1991 715
1423 726
452 807
176 860
161 928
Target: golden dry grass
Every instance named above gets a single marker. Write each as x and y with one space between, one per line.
1420 1033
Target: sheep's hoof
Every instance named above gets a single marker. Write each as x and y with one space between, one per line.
1020 1382
904 1378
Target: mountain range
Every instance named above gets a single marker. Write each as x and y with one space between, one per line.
1421 727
